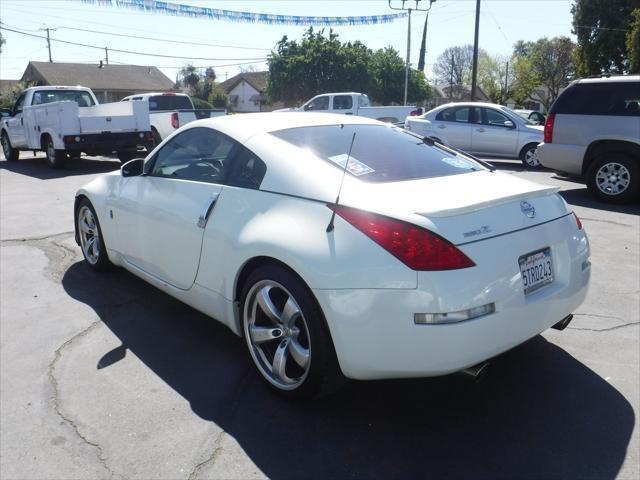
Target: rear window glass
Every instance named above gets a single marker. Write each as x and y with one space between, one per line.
169 102
606 98
82 98
379 153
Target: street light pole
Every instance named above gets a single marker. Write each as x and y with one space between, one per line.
409 9
474 71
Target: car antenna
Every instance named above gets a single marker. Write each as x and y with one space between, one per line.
346 165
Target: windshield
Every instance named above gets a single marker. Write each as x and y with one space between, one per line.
379 153
519 116
170 102
81 97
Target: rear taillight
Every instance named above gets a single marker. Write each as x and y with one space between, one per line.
175 121
548 128
578 222
416 247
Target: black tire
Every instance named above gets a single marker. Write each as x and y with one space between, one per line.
100 261
124 156
55 158
322 375
623 184
10 153
529 157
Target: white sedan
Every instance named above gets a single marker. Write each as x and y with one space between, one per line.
481 129
428 263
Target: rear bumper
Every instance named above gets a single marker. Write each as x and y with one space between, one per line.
108 142
374 331
560 157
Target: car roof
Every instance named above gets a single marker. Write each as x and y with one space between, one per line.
245 125
610 79
59 87
153 94
469 104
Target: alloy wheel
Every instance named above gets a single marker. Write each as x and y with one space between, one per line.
277 335
531 157
89 235
613 178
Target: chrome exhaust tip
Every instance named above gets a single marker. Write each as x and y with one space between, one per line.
562 324
477 372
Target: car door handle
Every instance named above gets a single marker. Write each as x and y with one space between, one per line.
442 126
480 129
206 211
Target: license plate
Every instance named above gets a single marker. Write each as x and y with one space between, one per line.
536 269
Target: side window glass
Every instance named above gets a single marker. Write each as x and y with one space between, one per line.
248 170
200 154
18 106
494 118
459 114
320 103
342 102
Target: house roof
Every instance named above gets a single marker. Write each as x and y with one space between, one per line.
442 91
257 80
7 85
107 77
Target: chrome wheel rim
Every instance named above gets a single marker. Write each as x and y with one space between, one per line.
277 335
613 178
51 152
89 235
6 148
531 157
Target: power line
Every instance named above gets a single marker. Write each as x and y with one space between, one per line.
128 51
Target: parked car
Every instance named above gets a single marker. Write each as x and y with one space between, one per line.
593 131
353 103
533 116
481 129
169 111
428 263
66 121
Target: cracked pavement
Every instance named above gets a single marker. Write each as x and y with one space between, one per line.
102 376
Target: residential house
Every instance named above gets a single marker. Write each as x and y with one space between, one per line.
247 92
110 83
455 93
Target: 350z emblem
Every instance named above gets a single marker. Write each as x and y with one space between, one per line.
479 231
527 209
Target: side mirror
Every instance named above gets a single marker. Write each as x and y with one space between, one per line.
509 124
5 112
133 168
306 108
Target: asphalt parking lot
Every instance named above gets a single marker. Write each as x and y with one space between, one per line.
102 376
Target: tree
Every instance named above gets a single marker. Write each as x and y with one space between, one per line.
525 79
496 77
453 66
388 72
633 43
189 78
2 41
601 28
219 98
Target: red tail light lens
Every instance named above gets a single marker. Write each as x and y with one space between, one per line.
175 122
548 128
417 248
578 222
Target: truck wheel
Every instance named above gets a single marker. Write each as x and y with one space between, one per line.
55 158
529 156
10 153
613 177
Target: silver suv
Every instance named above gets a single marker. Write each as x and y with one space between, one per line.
593 131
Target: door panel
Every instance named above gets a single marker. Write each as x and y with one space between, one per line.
161 217
489 136
16 125
452 127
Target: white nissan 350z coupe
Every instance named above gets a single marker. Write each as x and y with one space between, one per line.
428 263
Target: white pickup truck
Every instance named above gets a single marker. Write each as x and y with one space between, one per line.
66 121
169 111
353 103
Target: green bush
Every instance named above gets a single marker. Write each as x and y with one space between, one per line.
200 104
218 98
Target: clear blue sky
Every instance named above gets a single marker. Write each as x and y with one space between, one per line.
451 22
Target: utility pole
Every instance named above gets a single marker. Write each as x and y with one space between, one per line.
474 73
506 83
423 44
106 55
48 41
409 10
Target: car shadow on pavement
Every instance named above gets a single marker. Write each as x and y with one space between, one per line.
581 197
538 414
37 167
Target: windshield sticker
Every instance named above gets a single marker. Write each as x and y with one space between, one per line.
457 162
355 167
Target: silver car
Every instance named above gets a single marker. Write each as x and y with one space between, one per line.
481 129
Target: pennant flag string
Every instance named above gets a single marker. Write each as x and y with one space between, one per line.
157 6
